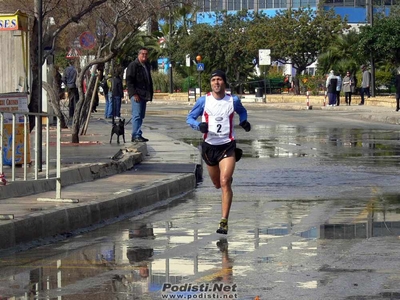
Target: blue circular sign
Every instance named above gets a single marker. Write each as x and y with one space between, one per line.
87 40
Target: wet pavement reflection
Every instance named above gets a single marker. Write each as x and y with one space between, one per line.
316 215
135 259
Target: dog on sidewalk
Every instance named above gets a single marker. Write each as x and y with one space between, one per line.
118 129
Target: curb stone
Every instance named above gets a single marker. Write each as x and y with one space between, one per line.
77 174
60 221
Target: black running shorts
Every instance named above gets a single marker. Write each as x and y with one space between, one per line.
213 154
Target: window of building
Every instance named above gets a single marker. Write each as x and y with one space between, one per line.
207 5
262 4
250 4
236 4
348 3
296 3
216 5
230 5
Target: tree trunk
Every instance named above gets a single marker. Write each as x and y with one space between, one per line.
92 99
296 85
296 80
54 100
82 107
88 96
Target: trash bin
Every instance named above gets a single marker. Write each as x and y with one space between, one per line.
259 92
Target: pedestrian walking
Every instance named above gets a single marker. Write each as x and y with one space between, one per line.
348 87
140 90
69 79
110 107
331 84
117 93
95 74
338 88
397 85
58 82
104 87
365 83
219 150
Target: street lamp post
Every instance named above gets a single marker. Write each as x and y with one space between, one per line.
171 84
371 22
40 77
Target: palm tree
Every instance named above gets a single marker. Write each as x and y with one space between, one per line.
173 26
342 55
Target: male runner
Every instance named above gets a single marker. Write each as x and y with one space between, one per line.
219 146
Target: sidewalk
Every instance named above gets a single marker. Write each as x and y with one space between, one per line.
108 190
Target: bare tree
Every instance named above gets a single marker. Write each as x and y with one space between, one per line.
124 18
66 13
120 21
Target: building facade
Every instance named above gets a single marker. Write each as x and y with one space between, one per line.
356 11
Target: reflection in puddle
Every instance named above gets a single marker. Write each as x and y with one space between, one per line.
129 268
136 266
288 141
308 284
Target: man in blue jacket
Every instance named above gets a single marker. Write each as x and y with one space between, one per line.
219 150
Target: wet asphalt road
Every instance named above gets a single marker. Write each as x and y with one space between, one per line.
315 216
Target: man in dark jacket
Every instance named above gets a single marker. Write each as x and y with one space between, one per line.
365 83
104 86
140 90
117 92
69 79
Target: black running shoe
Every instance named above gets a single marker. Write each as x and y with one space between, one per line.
223 227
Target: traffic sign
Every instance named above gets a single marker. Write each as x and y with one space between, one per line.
264 57
87 40
73 53
200 67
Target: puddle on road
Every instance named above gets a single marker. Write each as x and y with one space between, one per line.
377 218
131 265
289 141
104 269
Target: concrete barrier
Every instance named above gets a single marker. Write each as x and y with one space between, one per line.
60 222
76 174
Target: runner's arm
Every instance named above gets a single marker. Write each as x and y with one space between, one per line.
196 112
239 108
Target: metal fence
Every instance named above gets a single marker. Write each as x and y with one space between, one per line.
8 144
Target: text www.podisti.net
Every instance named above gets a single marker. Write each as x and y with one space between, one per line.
199 291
